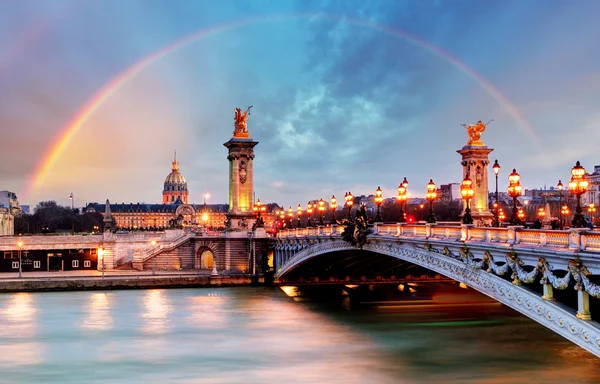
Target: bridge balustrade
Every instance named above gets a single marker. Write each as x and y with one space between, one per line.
580 239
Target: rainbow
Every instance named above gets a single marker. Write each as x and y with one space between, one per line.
68 132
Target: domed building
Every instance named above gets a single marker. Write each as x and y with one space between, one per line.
175 190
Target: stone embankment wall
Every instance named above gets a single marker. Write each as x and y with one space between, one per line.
135 282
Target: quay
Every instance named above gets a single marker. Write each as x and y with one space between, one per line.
92 280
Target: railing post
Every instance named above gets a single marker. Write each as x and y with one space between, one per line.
376 228
583 305
512 235
400 229
548 293
575 238
465 231
543 238
429 229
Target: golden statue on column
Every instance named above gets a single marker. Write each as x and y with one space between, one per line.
475 131
240 126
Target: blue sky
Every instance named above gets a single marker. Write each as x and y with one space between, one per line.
339 103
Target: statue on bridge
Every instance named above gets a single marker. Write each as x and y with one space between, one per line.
240 126
475 131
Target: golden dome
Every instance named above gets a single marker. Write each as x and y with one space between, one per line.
175 180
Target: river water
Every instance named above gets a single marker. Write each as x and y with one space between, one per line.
260 335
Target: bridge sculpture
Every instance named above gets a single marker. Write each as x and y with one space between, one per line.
502 263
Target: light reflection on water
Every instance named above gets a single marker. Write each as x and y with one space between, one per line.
259 335
18 323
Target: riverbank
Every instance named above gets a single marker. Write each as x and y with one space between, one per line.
65 281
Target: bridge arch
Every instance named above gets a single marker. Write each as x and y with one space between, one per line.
206 255
552 315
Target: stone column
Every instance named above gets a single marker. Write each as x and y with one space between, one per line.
475 163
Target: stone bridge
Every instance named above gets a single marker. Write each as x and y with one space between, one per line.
545 275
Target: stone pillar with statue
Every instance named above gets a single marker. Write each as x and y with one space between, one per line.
475 163
241 174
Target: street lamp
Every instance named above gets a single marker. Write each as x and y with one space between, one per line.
20 244
349 202
501 215
541 213
592 211
514 191
309 210
578 186
378 201
560 188
299 213
521 215
564 212
321 208
431 195
467 192
101 256
496 168
72 213
402 189
153 242
333 205
290 215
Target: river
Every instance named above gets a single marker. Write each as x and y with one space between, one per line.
260 335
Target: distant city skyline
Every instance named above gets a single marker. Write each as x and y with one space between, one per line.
347 96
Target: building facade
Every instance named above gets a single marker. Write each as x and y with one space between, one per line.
9 209
175 211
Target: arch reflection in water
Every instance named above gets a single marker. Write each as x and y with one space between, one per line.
156 317
98 312
19 321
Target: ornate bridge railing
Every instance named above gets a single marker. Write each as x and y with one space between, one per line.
494 261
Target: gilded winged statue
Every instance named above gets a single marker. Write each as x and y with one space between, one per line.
475 131
240 126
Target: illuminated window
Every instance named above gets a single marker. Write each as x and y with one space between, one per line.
87 263
75 263
37 264
15 264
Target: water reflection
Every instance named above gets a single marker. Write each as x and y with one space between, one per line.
98 311
208 311
156 317
18 331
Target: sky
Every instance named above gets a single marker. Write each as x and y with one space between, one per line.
95 96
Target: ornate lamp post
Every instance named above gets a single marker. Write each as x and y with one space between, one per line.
299 214
467 192
578 186
290 216
501 215
496 168
101 256
560 188
349 202
282 217
592 212
514 191
72 213
402 189
564 212
541 213
309 210
521 215
431 195
20 244
333 206
258 208
321 208
378 201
